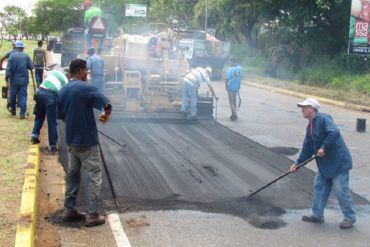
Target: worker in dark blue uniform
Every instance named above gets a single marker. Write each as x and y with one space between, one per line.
17 74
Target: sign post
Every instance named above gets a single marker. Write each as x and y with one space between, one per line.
136 10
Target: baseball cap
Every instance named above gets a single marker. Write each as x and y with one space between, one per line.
86 4
18 44
310 102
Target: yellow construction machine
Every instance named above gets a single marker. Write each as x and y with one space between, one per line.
145 74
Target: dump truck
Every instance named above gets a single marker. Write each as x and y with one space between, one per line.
202 49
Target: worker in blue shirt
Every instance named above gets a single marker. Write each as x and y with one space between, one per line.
334 161
232 85
17 74
96 66
76 104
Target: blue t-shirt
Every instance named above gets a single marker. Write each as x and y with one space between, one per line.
75 106
96 65
234 77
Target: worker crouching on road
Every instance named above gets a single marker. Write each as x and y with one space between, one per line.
334 162
190 87
17 74
75 106
46 106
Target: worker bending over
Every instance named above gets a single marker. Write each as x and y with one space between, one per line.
190 87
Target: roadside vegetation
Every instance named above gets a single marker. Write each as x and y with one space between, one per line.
13 152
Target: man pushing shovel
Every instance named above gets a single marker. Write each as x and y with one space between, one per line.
334 161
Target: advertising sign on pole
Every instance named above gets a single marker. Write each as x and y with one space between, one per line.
136 10
359 37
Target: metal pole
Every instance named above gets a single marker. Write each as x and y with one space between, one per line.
282 175
206 17
116 142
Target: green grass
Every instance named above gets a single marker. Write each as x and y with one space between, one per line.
30 46
14 147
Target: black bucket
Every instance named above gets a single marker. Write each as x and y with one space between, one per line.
4 92
361 125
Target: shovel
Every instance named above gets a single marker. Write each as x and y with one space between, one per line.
283 175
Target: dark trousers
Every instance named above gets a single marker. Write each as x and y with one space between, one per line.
39 74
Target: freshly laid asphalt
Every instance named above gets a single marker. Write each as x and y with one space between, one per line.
204 171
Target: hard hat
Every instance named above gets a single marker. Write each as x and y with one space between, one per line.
209 70
86 4
19 44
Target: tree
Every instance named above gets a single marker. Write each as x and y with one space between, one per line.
11 20
57 15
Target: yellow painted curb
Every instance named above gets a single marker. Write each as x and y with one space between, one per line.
28 211
304 96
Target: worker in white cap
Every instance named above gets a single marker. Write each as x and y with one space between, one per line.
190 86
334 161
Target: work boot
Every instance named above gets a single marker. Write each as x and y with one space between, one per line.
22 117
73 215
346 224
233 117
35 140
312 219
94 220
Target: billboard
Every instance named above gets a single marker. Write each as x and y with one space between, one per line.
136 10
359 37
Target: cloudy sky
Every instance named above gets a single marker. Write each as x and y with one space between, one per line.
27 5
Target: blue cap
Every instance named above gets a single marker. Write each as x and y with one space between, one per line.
19 44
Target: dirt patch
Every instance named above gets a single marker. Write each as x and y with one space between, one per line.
137 223
50 196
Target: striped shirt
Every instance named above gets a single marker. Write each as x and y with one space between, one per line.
54 82
197 76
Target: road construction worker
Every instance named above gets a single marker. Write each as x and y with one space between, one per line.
96 66
90 13
334 161
190 87
46 106
76 104
39 61
17 74
233 79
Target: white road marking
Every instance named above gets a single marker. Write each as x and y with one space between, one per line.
117 229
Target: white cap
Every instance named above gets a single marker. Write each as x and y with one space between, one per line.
310 102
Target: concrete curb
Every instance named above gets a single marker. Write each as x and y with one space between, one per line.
25 235
304 96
